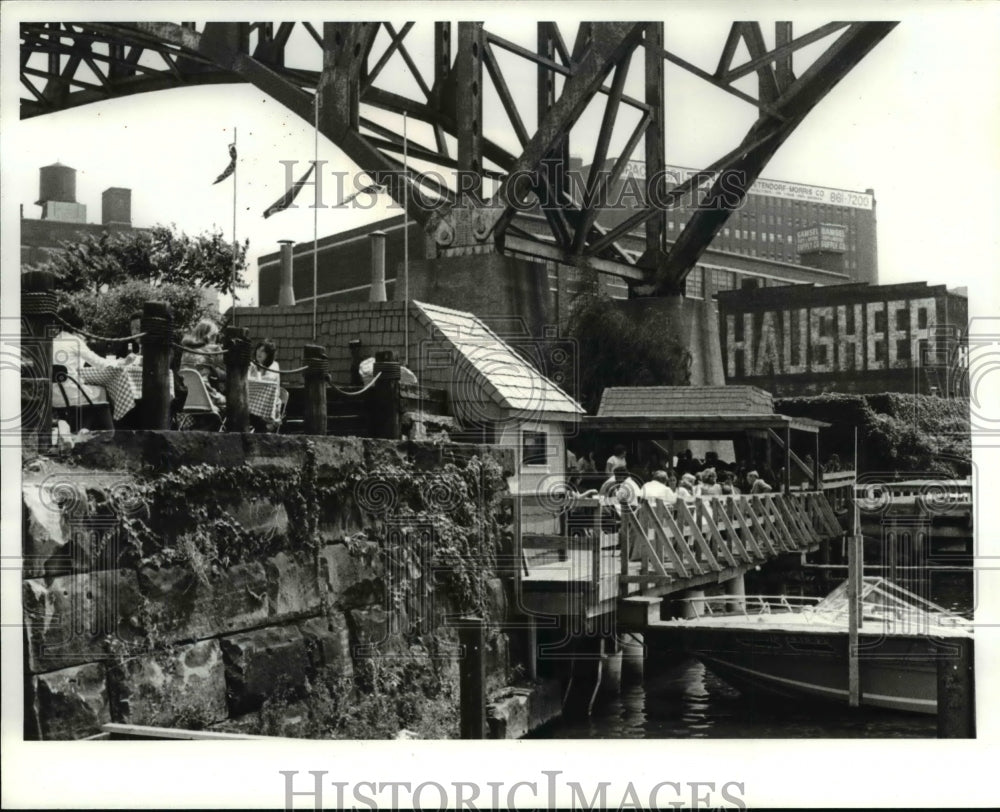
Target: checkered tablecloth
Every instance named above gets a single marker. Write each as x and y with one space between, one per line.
134 373
123 385
262 399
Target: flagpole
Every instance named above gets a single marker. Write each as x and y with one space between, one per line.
315 208
406 252
232 277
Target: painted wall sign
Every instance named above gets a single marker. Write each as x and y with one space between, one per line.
850 337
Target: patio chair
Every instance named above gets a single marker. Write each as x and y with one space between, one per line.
198 404
89 415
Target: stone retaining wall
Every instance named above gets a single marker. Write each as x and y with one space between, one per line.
110 638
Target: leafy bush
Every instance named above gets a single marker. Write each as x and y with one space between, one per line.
616 349
107 313
158 255
896 431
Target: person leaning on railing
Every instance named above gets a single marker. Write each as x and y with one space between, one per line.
657 489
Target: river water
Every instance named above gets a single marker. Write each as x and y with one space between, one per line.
679 699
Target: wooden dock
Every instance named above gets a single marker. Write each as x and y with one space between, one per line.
668 549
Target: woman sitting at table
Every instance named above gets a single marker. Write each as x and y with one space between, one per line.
204 339
265 368
71 351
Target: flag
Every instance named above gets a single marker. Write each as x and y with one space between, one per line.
374 187
288 197
229 169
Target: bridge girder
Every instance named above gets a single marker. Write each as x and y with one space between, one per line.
89 62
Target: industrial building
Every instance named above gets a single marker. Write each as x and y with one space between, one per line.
64 219
774 222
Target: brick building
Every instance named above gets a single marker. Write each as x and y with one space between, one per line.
64 219
769 222
859 338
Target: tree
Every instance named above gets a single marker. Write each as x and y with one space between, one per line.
616 350
156 256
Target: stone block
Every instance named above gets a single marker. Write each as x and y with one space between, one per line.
71 703
78 618
68 525
291 585
183 687
182 607
497 657
275 452
160 450
352 580
374 631
328 644
262 663
339 454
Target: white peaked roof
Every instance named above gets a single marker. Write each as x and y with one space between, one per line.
486 365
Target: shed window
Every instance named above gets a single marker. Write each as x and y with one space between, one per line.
534 448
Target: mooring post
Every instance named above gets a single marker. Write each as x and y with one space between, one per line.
38 310
316 378
956 674
157 324
472 678
238 353
384 397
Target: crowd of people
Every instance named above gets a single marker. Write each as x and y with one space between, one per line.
687 479
200 351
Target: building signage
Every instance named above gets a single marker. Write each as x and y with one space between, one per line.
837 338
771 188
822 237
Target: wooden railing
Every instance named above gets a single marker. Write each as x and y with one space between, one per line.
669 544
717 533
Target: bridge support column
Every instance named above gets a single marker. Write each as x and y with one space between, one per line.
633 655
691 607
611 668
736 590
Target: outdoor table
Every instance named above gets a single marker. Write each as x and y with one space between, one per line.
263 398
123 385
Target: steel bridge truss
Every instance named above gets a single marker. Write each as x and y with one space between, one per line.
66 65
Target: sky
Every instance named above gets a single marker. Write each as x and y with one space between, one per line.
918 121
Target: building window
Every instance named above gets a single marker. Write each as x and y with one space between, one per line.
902 319
880 351
534 448
739 234
922 318
670 225
819 354
903 349
779 219
725 232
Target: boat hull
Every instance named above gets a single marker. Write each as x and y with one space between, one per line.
897 672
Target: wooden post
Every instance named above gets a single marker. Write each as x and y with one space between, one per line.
38 308
817 473
788 459
472 678
595 554
956 707
384 398
158 328
854 585
238 352
316 378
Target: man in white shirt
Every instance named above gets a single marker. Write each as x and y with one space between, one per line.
657 489
71 351
616 460
620 489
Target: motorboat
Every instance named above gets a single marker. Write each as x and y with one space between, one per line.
798 647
